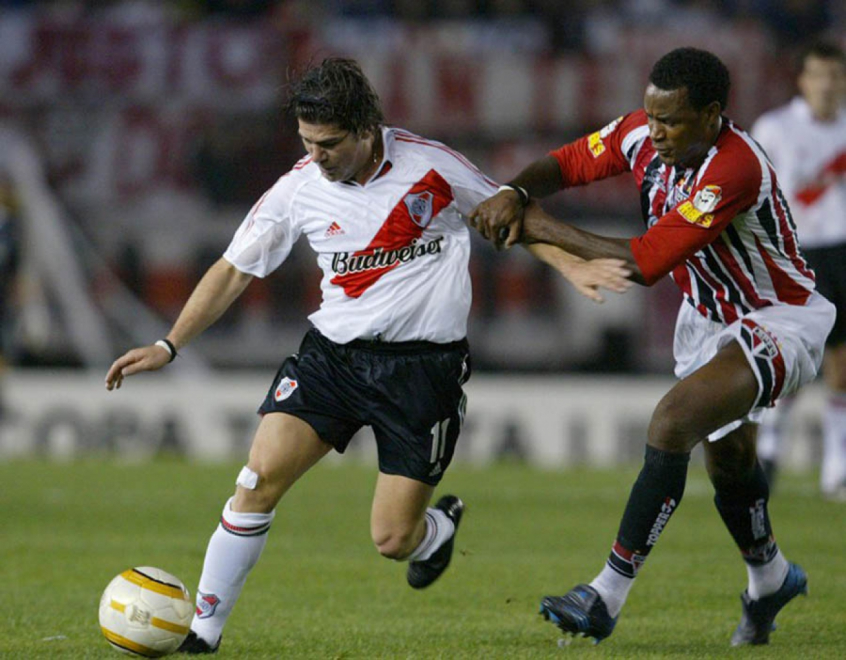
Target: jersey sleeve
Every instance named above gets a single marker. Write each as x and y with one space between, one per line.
599 155
268 232
469 185
729 186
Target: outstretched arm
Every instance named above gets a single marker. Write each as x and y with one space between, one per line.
586 276
213 295
540 227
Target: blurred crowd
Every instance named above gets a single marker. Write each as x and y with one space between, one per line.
181 168
572 23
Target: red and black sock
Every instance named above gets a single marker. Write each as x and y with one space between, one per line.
743 508
655 495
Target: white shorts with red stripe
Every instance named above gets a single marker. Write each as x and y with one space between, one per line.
783 344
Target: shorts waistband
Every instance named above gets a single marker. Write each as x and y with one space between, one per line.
379 346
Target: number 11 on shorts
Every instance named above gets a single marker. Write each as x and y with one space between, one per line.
439 435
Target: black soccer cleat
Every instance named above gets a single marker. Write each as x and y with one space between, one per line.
580 612
759 615
195 645
421 574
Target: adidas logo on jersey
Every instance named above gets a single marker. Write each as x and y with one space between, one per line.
334 230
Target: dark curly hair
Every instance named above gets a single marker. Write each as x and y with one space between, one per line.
336 92
702 73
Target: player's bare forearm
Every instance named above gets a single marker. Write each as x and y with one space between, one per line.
216 291
587 277
540 227
540 179
213 295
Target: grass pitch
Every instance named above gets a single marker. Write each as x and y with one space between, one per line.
322 591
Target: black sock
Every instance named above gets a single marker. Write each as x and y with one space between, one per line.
655 495
743 508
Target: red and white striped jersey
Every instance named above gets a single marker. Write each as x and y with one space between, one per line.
722 230
394 252
810 158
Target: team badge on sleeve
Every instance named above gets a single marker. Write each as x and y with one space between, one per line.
706 198
700 210
285 389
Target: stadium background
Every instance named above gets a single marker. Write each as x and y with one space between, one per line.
136 135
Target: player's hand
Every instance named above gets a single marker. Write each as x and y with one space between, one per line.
589 276
499 218
148 358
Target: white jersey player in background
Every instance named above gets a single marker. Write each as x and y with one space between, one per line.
806 142
383 210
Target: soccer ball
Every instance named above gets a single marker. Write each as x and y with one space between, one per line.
145 611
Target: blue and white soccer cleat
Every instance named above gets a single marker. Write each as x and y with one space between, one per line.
580 612
759 615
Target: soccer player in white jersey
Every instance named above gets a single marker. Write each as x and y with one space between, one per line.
382 209
750 330
806 142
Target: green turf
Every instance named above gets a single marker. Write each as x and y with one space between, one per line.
322 591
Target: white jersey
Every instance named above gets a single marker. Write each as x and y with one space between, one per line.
394 251
809 157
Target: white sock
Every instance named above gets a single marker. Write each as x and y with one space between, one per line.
614 589
439 529
767 579
233 550
833 473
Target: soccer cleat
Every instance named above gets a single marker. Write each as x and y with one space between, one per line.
421 574
758 615
195 645
580 611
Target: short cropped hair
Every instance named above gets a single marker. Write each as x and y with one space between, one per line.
336 92
702 73
824 50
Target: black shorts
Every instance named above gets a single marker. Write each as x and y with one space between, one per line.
829 264
409 392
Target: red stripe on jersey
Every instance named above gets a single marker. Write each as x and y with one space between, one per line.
738 275
790 247
397 232
301 163
260 201
729 312
416 139
682 279
786 288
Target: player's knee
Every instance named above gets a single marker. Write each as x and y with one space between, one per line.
256 491
669 426
727 476
394 543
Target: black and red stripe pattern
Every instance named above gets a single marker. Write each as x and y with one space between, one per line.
625 562
254 530
768 361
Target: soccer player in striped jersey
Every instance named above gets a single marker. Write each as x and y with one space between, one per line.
751 328
383 209
806 143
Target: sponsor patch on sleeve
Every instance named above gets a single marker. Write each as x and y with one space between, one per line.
693 215
595 140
